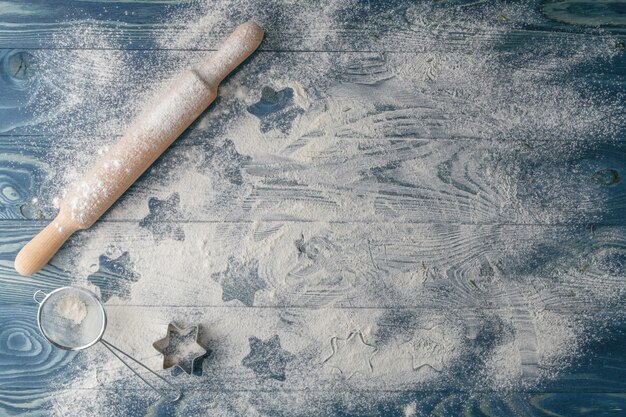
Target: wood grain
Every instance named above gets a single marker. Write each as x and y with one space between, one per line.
476 405
358 94
493 215
29 365
372 180
453 266
381 26
29 362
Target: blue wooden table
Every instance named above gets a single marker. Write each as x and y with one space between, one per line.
432 224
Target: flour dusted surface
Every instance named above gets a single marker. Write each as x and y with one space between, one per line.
354 210
155 129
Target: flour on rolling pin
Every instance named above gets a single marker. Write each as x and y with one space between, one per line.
154 130
156 125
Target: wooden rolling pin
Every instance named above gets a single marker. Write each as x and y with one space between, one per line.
153 131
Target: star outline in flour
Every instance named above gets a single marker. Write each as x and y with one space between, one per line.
223 160
354 339
426 341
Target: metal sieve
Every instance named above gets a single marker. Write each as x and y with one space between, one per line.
86 329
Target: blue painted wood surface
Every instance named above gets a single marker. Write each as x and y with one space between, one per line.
588 238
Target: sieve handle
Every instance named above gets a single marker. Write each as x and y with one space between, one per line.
37 293
118 354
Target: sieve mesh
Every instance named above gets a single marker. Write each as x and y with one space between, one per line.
71 318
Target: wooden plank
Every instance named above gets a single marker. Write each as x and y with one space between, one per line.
597 370
519 95
337 179
94 379
404 160
343 265
380 26
29 365
138 404
36 377
467 349
462 362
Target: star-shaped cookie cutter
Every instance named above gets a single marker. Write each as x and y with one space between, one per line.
173 355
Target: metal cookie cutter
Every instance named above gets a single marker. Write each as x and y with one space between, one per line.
180 348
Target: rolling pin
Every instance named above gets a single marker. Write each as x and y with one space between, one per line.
154 130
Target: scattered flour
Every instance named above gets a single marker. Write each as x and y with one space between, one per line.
410 410
334 260
72 308
156 128
163 120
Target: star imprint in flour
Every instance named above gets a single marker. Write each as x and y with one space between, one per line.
181 348
114 276
240 281
223 160
267 359
276 109
351 355
426 348
160 219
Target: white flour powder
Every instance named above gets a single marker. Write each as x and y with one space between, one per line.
334 274
72 308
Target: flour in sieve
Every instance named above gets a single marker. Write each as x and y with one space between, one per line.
72 308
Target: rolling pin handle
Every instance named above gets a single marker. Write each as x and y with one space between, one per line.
42 247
